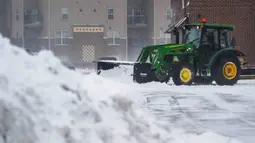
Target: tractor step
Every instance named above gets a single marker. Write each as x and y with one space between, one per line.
248 73
247 77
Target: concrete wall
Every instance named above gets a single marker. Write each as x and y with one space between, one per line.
81 12
30 4
17 17
150 12
86 16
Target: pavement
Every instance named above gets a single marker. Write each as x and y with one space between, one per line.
231 115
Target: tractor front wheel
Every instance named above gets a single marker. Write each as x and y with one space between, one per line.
162 76
183 74
227 71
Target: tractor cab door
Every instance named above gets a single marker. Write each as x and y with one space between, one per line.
209 44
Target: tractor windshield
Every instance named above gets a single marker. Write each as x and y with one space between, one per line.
192 35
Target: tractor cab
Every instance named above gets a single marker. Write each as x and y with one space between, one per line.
208 39
212 36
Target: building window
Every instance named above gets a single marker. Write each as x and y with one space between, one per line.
31 16
94 10
19 40
64 13
169 13
113 37
136 16
61 38
110 13
17 15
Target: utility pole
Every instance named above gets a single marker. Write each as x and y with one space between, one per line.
49 25
154 22
126 30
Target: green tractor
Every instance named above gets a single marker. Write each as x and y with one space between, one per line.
207 54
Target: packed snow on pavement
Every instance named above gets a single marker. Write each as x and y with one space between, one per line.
44 102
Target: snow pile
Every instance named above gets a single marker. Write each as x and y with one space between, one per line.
41 101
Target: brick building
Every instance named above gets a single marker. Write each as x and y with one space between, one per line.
253 27
240 13
84 30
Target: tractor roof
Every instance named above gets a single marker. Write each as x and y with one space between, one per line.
224 26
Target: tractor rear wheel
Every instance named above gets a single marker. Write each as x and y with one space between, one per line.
227 71
183 74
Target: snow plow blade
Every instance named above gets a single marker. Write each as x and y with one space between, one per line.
103 65
143 73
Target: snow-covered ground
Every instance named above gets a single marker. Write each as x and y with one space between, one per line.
225 110
44 102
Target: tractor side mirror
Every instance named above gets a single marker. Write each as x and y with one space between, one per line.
168 58
233 42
